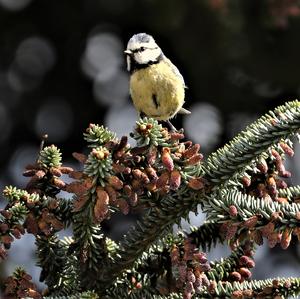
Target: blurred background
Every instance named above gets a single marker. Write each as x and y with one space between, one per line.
62 67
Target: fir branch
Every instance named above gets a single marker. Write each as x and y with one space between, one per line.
221 270
84 295
206 236
152 227
227 162
51 256
290 192
217 208
268 289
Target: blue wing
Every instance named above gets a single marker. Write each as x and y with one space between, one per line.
175 70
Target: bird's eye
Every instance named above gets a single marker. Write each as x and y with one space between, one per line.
142 48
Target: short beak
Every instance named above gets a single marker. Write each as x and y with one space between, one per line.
128 52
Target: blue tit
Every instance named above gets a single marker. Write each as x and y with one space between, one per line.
157 88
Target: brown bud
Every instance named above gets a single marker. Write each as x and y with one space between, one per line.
282 200
118 168
136 185
286 239
29 173
194 160
246 181
123 206
176 135
76 188
287 149
245 272
3 253
167 159
55 171
237 295
233 212
212 287
257 237
141 176
58 183
4 227
151 187
273 239
190 152
248 293
196 183
115 182
235 276
77 175
151 155
80 157
66 169
79 203
262 165
200 257
251 222
281 184
101 205
31 224
175 180
111 193
151 172
17 234
267 229
231 231
6 239
162 180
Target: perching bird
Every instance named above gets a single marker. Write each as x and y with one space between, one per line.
156 85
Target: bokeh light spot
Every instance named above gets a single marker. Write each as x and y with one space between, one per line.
35 55
103 55
121 119
204 125
54 118
14 5
114 90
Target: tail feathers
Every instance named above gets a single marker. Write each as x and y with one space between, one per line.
184 111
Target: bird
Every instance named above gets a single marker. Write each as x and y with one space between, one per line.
157 88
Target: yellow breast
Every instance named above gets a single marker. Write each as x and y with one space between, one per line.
157 91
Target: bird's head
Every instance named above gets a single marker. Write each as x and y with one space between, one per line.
141 51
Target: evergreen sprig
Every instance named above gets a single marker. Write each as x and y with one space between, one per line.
97 135
230 161
50 156
149 132
217 208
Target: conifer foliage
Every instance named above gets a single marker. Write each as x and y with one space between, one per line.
241 188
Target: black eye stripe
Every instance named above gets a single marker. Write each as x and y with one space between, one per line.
141 49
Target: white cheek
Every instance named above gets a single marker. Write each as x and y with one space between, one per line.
139 58
128 60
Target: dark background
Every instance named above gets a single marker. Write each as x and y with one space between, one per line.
62 67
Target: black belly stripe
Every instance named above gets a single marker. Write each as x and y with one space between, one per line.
154 98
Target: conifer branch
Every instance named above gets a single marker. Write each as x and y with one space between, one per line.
206 236
227 162
152 227
218 209
290 192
